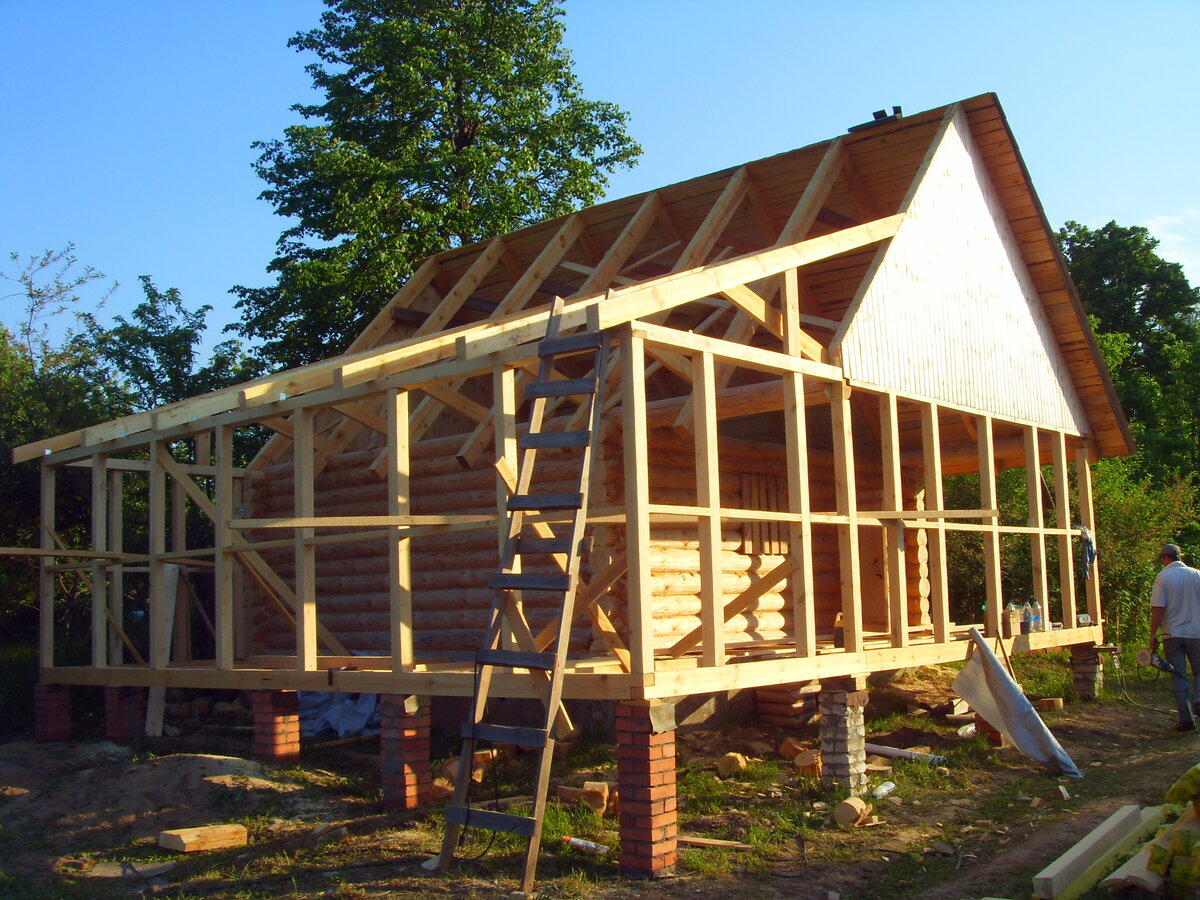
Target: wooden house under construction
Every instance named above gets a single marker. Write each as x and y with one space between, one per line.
798 357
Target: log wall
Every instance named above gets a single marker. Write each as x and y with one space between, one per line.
450 571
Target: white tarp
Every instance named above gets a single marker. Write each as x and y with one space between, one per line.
987 686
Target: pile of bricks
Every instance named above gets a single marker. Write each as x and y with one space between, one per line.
646 773
404 753
1087 671
994 737
276 726
788 705
844 739
52 712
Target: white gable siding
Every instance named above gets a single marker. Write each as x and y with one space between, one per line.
951 314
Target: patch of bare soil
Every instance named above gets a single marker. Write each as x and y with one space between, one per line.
963 836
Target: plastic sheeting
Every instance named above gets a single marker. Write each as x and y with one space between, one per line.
992 693
345 714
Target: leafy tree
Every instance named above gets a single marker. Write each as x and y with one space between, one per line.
156 350
1144 312
443 122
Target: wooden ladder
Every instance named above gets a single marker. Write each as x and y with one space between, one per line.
544 656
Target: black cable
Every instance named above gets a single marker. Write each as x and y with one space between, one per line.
462 768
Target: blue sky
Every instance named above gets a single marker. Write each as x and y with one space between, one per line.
127 124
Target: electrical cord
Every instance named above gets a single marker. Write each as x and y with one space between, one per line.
495 784
1120 672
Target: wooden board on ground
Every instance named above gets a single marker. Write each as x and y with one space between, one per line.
205 837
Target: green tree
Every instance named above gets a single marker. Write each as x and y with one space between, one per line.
1144 312
155 351
443 122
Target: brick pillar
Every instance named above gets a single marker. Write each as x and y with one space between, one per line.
52 712
276 726
404 752
1087 671
843 734
124 714
646 781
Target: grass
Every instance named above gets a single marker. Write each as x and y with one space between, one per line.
783 816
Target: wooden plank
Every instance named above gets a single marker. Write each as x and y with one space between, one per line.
1054 880
1062 519
100 520
399 548
994 599
205 837
1087 518
893 499
801 588
708 494
639 600
635 230
305 554
745 356
804 214
1037 541
847 505
939 582
702 242
742 603
223 601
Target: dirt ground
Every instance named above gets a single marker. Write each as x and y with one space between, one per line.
66 809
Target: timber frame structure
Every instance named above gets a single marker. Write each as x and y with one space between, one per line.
803 350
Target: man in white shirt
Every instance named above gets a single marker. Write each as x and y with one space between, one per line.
1175 608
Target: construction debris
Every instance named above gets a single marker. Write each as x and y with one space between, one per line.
851 812
730 763
692 840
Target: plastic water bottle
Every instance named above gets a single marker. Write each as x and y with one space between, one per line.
883 790
585 846
1035 618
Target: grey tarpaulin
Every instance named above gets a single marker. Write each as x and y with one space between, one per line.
987 686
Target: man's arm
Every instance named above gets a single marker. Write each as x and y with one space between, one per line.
1156 617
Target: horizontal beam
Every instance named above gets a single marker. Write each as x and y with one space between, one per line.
603 310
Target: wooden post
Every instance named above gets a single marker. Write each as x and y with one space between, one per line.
708 495
800 586
224 616
100 631
1062 519
306 560
1037 540
994 600
504 425
637 503
116 573
1087 518
939 589
181 634
893 499
399 547
46 570
159 649
847 505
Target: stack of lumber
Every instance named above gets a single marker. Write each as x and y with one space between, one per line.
1169 862
788 705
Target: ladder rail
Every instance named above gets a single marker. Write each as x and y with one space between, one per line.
543 664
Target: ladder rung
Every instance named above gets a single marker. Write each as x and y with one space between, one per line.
543 545
533 502
491 821
522 659
520 581
505 734
566 387
586 340
538 440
